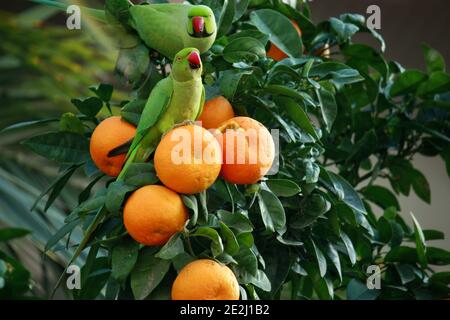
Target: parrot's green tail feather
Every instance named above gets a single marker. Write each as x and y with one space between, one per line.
140 152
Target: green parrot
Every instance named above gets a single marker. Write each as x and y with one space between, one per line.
170 27
165 27
173 100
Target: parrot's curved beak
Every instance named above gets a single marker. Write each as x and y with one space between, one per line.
198 27
198 24
194 60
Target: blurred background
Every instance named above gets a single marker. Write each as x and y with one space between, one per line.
43 65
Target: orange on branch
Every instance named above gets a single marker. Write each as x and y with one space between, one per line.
188 159
205 279
276 53
248 150
154 213
109 134
216 111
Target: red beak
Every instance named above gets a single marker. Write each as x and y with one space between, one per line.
198 23
194 60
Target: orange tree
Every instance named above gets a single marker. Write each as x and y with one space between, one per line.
310 230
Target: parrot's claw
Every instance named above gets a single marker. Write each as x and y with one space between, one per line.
181 124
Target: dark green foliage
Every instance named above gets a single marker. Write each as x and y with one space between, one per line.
309 231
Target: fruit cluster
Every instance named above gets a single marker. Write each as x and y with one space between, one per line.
188 160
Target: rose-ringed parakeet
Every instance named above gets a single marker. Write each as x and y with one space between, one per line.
174 99
164 27
170 27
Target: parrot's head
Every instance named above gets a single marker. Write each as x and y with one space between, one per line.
187 65
201 22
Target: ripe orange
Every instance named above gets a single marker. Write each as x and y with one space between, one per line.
205 279
109 134
188 159
248 150
216 111
275 53
152 214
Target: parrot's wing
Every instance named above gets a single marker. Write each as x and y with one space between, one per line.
202 103
156 105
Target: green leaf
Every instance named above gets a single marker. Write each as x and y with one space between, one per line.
244 49
7 234
88 106
278 265
357 290
298 115
320 258
231 243
433 59
132 111
123 258
406 273
367 56
61 233
338 73
407 82
140 174
191 202
236 221
172 248
437 82
261 37
363 148
343 190
333 255
103 91
283 187
421 186
63 147
402 254
116 195
147 273
69 122
381 196
280 30
433 235
343 30
226 17
420 242
328 107
230 80
247 261
441 277
349 246
55 188
272 211
216 242
438 256
261 281
27 124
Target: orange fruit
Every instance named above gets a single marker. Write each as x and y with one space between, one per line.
188 159
152 214
109 134
216 111
248 150
275 53
205 279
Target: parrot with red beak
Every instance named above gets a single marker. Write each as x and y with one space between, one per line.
170 27
164 27
179 97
